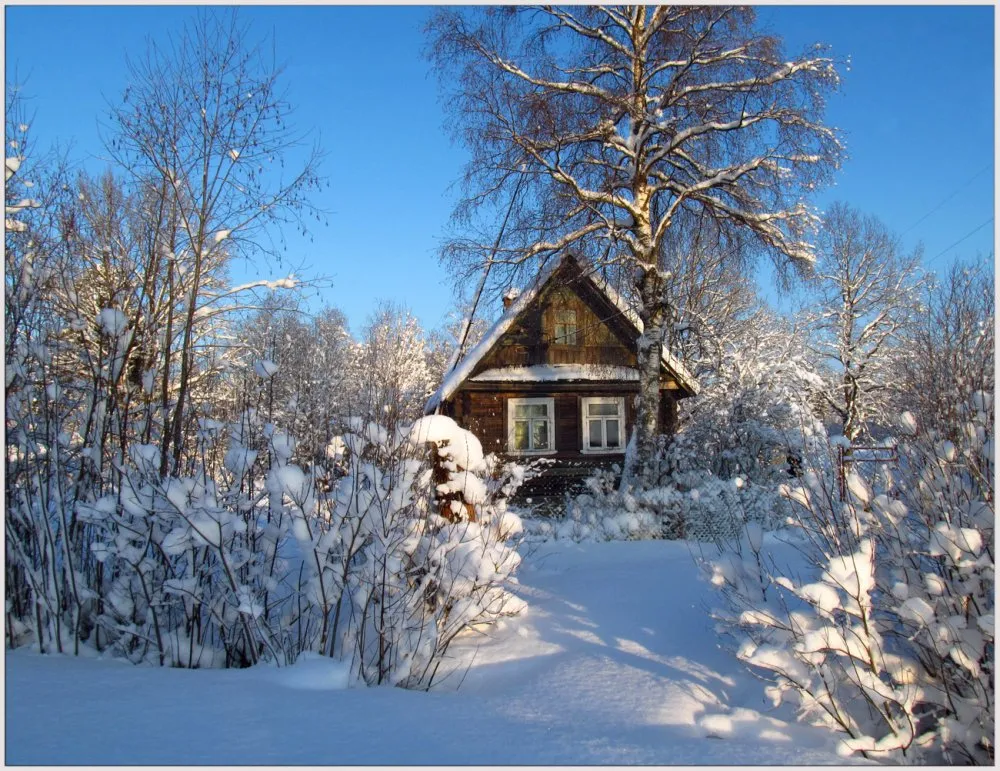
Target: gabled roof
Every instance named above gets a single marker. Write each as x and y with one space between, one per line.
464 368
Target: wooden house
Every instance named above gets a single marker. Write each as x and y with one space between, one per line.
556 377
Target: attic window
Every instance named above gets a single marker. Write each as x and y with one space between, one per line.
565 323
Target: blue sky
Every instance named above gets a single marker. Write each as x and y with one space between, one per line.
916 106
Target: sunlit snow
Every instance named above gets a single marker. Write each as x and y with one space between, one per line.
614 662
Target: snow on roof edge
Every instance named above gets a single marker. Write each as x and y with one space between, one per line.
464 368
552 373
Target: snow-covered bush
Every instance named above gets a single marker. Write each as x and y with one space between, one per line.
411 548
710 509
888 637
752 419
602 513
251 558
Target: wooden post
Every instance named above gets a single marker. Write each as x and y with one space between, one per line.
841 473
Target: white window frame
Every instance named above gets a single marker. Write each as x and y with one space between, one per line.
550 408
585 419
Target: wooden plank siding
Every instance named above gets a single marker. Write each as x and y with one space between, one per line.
482 409
532 340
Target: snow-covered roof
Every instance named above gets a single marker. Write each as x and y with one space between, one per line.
463 369
549 373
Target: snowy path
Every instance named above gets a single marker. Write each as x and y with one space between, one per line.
614 663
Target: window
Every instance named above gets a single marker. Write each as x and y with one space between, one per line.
565 323
530 425
603 424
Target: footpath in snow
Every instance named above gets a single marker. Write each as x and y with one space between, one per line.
615 662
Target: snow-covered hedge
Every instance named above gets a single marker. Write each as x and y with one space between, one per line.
888 635
253 561
705 509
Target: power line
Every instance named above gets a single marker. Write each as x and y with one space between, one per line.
967 235
955 192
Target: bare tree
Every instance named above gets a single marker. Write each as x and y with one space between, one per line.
204 120
713 306
629 124
953 347
866 291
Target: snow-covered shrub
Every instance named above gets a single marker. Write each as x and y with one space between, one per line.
190 573
254 561
603 514
752 419
216 549
414 547
702 507
889 636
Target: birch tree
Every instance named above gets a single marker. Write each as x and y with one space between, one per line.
204 119
866 290
629 123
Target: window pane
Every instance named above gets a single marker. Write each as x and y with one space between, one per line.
602 408
612 428
520 410
595 433
520 435
540 431
538 410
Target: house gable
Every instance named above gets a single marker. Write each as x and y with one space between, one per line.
525 335
567 302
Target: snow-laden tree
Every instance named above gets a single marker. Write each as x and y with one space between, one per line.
756 409
866 294
390 373
38 469
952 346
443 343
301 363
626 124
887 633
116 302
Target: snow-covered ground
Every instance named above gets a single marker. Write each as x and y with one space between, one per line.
615 662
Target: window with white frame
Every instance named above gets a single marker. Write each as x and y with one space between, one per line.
603 423
530 425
